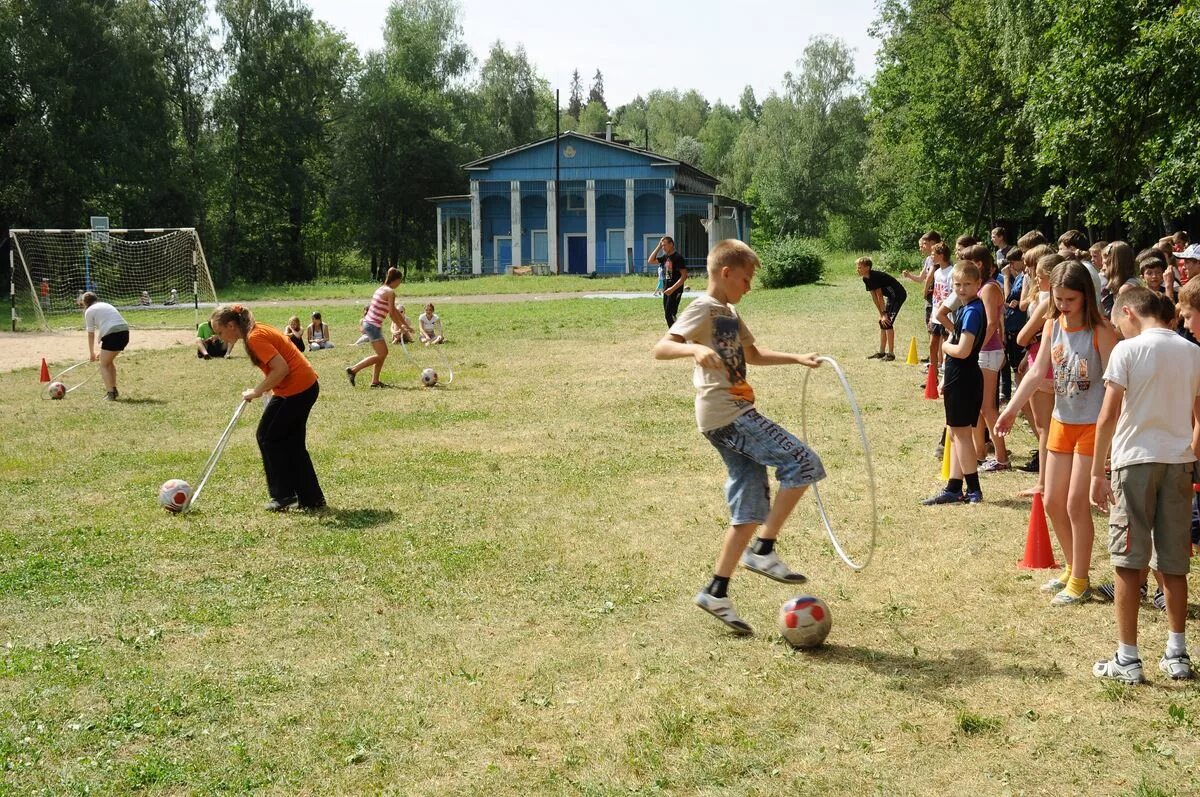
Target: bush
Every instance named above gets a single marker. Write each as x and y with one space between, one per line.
790 261
896 261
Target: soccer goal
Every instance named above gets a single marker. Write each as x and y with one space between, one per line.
155 277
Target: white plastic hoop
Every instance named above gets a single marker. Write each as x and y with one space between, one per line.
862 435
445 362
211 464
58 378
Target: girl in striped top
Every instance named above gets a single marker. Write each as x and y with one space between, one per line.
383 305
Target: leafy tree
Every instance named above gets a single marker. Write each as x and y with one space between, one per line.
575 101
515 103
287 74
401 136
596 94
748 106
718 137
688 150
594 118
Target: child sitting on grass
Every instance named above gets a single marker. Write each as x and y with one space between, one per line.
716 338
888 296
962 390
1149 417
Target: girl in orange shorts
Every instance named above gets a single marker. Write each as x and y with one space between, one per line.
1076 342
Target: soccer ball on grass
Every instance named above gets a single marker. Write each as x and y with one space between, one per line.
429 377
805 621
174 495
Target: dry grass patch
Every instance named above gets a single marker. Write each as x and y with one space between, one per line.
499 600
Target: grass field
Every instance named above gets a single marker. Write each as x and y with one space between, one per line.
499 600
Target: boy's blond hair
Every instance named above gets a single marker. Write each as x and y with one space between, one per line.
966 269
732 253
1189 296
864 261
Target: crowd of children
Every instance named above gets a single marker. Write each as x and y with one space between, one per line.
1093 343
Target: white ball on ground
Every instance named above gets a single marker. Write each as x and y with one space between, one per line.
174 495
429 377
805 621
56 390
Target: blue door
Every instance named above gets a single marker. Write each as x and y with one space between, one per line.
577 254
503 255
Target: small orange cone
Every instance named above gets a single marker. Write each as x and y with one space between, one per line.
1038 554
913 359
45 375
947 447
931 387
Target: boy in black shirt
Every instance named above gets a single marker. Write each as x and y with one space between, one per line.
888 295
674 276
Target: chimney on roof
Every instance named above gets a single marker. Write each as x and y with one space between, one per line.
608 131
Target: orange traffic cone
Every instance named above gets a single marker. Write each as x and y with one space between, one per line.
931 382
45 375
912 359
1038 554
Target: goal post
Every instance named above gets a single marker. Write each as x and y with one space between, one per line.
154 276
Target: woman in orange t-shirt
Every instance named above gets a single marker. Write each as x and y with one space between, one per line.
292 382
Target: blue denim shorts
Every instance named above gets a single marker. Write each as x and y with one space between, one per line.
750 445
372 332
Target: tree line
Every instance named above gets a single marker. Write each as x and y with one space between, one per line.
297 156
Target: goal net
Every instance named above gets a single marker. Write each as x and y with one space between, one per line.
155 277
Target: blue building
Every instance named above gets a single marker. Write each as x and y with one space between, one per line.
610 205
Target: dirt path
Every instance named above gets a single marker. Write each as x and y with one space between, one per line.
26 349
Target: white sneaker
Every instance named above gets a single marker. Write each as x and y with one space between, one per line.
1178 667
771 566
722 609
1053 586
1128 673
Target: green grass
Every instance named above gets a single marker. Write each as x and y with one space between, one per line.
498 602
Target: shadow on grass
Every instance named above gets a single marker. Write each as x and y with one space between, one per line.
140 401
930 676
356 518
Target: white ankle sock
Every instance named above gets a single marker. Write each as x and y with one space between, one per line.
1176 643
1127 653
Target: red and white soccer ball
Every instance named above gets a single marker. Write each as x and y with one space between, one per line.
429 377
56 390
805 621
174 495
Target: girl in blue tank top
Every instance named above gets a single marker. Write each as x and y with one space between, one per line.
1077 341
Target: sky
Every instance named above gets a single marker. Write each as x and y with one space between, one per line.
714 46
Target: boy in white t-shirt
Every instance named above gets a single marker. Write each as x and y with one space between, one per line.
715 337
1152 395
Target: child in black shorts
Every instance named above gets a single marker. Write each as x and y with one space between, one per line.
889 296
962 390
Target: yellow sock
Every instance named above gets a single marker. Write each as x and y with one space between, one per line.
1077 586
1065 576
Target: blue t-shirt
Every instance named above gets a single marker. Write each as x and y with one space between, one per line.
973 319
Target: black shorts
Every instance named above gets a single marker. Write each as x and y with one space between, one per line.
891 309
963 400
215 348
115 341
938 331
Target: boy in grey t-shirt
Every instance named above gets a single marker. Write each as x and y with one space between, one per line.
716 338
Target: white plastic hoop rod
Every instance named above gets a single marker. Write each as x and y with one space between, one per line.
445 362
862 434
211 464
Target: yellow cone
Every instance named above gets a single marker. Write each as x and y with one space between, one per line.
946 449
912 352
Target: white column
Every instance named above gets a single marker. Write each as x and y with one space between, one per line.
552 225
713 225
515 216
591 226
629 227
669 215
439 238
476 231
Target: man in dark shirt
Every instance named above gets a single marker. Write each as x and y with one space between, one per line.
888 295
674 275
